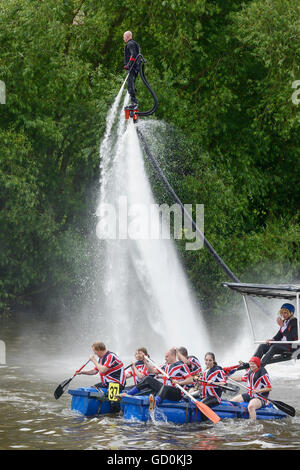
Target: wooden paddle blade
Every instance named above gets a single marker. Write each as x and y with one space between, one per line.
61 388
289 410
207 411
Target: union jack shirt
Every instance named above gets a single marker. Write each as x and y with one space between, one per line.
176 371
115 372
141 367
214 374
195 367
257 380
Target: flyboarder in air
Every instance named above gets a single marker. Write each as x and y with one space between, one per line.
131 51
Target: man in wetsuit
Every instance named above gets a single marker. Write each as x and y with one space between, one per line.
131 51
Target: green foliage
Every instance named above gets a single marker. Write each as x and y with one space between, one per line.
223 73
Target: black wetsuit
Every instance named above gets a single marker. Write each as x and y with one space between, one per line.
290 332
131 51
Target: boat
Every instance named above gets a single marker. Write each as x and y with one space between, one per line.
92 402
290 292
185 411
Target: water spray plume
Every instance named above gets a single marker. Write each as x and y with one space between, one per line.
147 299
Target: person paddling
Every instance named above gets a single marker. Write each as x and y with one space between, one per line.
162 387
258 380
213 374
108 365
131 51
138 369
192 362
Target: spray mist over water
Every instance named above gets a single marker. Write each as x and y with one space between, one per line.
147 300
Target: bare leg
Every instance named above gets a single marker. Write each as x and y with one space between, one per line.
254 405
238 398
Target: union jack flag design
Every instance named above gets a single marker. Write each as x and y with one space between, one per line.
214 374
141 367
257 380
195 367
115 372
176 371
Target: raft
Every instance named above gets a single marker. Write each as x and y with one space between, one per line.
91 402
137 408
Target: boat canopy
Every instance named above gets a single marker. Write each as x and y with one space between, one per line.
283 291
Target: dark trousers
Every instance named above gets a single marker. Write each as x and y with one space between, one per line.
131 86
210 401
266 351
166 392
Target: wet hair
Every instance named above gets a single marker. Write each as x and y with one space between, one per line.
213 357
143 350
183 351
99 346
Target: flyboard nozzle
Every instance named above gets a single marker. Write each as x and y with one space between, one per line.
133 113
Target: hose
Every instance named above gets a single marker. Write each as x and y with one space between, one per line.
140 64
195 227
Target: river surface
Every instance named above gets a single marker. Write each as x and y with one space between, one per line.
30 417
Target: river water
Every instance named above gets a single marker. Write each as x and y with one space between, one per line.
38 359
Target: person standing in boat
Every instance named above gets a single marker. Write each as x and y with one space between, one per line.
164 388
213 374
192 362
131 51
108 365
258 381
288 332
138 369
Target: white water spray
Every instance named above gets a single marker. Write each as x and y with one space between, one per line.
147 299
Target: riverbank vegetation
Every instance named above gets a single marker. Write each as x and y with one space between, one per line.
223 72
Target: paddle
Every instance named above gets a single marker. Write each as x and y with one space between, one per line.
206 410
224 387
289 410
62 387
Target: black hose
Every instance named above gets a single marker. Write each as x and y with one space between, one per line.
139 65
176 199
195 227
154 108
